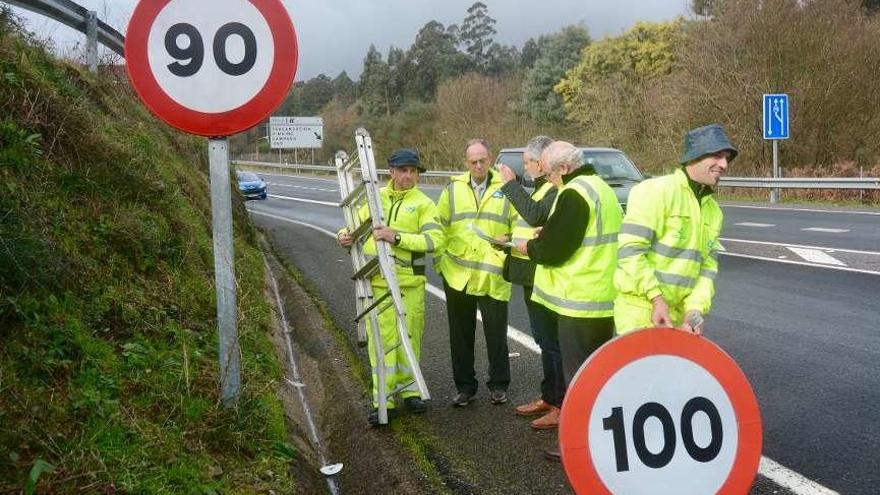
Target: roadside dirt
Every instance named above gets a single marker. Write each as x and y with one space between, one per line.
374 462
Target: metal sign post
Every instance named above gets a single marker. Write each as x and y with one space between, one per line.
214 72
775 120
92 43
224 270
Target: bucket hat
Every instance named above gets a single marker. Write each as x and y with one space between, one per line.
405 157
705 141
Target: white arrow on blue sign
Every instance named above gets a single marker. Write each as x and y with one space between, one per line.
776 116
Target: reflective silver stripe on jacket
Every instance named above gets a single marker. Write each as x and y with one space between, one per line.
627 251
677 253
672 279
638 231
708 274
599 240
473 265
574 305
479 216
430 243
582 181
430 226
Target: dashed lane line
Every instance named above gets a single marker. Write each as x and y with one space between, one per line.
811 210
756 224
769 468
825 230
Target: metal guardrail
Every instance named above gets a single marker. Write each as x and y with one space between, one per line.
77 17
757 182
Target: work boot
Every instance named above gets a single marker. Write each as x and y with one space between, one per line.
534 408
415 405
547 421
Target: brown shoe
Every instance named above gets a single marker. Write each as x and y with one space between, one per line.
547 421
535 408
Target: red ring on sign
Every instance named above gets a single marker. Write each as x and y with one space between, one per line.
226 123
613 356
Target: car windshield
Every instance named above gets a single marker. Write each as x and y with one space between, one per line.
248 177
612 165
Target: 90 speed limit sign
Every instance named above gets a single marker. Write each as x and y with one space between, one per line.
660 411
211 67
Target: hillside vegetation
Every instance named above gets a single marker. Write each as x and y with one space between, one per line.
108 347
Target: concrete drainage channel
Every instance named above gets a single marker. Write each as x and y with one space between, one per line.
329 470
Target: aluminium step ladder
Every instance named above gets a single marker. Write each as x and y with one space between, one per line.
354 194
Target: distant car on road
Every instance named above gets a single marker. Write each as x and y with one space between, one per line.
251 186
611 164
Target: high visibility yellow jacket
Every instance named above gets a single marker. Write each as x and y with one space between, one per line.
414 216
668 245
470 262
522 231
582 287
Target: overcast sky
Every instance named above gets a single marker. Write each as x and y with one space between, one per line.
334 35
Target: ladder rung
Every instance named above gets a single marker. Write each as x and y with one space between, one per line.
365 227
355 195
393 348
369 308
400 389
367 271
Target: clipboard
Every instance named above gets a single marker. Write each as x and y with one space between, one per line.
491 240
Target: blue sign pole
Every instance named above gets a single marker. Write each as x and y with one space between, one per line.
775 128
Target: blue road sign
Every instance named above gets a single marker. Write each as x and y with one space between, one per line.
776 116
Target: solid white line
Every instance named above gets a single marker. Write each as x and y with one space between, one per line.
755 224
302 200
801 263
780 244
302 187
827 231
768 467
812 210
289 176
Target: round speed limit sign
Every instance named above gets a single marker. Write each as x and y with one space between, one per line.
660 411
211 67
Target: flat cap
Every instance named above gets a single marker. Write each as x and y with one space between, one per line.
405 157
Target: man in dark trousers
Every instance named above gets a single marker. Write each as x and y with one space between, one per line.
576 253
533 210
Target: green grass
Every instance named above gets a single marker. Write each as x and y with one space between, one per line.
108 347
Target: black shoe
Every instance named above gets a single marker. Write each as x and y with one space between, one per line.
462 399
498 397
373 417
553 454
415 405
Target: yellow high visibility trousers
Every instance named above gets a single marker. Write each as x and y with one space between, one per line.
397 366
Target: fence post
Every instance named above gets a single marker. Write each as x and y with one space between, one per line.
92 41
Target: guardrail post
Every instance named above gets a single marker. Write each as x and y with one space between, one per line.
92 42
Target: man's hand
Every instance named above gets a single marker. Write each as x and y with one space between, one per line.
522 247
345 239
660 314
693 322
507 174
538 231
501 240
384 234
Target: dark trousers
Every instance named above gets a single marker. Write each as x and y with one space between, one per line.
461 309
580 337
546 334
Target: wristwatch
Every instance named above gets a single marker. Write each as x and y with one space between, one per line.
396 239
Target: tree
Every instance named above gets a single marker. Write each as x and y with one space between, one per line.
705 8
530 54
399 72
559 53
502 59
373 85
433 57
476 35
344 89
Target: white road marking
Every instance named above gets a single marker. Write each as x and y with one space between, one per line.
802 263
755 224
765 243
302 187
827 231
812 210
816 256
769 468
303 200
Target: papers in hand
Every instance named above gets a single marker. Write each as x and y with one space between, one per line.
489 238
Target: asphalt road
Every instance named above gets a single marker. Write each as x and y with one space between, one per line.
805 336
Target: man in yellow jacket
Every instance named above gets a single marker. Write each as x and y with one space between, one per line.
668 245
471 269
413 230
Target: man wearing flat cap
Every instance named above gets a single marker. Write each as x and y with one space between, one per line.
413 230
668 244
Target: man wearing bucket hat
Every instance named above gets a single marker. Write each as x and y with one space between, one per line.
668 244
413 230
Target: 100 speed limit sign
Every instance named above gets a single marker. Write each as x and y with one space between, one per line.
211 67
660 411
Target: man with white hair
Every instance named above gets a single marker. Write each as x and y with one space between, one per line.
576 253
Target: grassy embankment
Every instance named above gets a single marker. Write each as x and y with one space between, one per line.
108 360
